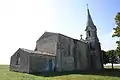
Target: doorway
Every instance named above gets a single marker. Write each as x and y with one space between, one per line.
50 65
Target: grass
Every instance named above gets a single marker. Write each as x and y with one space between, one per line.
115 67
107 74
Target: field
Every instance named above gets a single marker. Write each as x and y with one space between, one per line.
107 74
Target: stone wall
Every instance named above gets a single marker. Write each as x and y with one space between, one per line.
65 54
96 56
47 44
99 57
23 66
40 63
71 54
82 55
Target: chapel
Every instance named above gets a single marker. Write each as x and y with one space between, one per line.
58 52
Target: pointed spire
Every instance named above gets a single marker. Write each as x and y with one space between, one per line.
89 19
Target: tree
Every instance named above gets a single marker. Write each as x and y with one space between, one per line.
117 29
117 32
105 57
112 56
118 48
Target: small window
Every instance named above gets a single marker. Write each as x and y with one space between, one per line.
18 59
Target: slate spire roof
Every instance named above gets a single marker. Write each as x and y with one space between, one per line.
89 20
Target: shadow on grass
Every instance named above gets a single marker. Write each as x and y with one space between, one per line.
105 72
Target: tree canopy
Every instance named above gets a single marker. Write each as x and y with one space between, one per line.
117 32
117 29
110 56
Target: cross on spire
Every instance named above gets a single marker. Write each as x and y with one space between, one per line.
81 36
87 6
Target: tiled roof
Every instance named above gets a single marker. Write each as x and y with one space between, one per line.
38 52
52 33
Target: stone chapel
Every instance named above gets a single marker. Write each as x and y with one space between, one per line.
57 52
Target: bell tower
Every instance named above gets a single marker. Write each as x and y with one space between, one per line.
91 30
96 58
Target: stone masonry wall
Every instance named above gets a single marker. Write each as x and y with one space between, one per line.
71 54
23 66
40 63
47 44
66 56
82 56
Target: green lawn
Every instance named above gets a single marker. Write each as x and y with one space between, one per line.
5 74
115 67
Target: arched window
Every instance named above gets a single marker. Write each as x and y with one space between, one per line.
90 45
18 59
69 50
88 33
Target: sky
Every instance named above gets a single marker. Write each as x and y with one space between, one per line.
22 22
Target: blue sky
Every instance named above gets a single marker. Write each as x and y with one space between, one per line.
22 22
